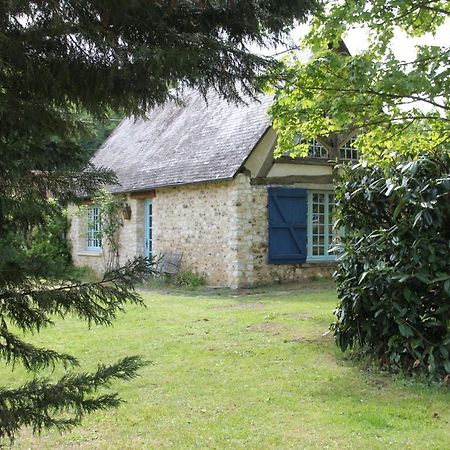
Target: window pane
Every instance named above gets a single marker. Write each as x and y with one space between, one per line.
348 152
94 228
320 223
317 150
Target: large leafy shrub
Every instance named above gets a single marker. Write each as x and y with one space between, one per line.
394 273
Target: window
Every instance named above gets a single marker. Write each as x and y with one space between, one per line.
317 150
94 227
348 152
320 224
300 225
148 223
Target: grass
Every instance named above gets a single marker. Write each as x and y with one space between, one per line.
237 371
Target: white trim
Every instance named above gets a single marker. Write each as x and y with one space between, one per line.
348 150
93 229
317 150
326 225
148 228
91 253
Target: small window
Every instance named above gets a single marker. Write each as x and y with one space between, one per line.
348 152
317 150
320 224
94 229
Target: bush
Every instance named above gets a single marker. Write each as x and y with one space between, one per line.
41 250
82 273
393 276
189 279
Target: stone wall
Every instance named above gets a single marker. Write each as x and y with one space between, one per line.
132 232
222 230
199 221
220 227
196 220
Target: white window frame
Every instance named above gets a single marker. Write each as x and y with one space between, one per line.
327 256
148 231
93 229
348 152
317 150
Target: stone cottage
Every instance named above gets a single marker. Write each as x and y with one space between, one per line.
200 179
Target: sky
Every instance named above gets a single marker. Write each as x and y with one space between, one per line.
356 40
402 45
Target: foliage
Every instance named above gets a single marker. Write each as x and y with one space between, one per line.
30 306
397 106
58 62
393 276
41 249
82 273
35 403
111 222
190 280
49 248
58 59
97 132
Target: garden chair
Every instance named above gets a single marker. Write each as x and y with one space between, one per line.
169 263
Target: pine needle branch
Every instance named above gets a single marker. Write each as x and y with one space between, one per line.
61 405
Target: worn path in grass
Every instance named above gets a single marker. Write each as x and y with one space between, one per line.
239 371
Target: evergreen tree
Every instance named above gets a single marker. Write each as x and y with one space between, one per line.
98 131
59 58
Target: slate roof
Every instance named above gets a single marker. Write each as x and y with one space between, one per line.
193 143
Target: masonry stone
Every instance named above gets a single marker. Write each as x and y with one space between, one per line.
220 228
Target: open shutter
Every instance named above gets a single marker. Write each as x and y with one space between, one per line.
287 225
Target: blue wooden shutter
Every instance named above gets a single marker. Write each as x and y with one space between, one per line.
287 225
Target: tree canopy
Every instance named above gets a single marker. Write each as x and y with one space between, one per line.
397 106
60 60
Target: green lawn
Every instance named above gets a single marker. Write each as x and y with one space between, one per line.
242 372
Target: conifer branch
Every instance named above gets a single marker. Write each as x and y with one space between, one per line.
33 358
61 405
31 304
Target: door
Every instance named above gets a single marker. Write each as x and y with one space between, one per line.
148 224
